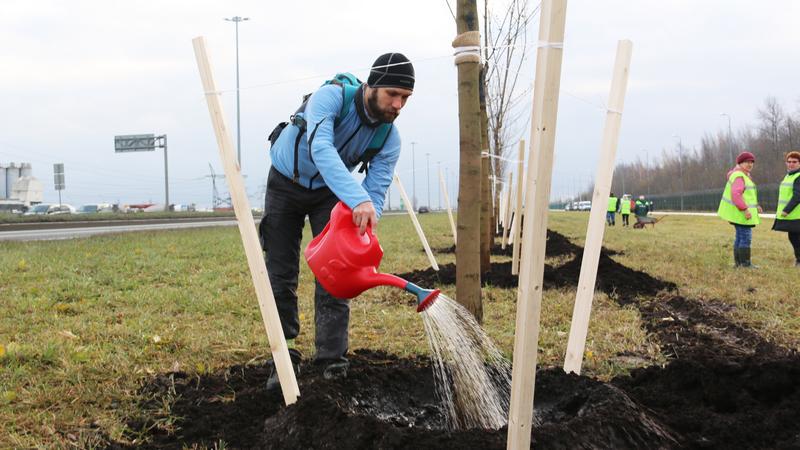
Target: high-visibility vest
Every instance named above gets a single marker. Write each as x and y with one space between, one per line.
728 210
784 195
612 204
625 206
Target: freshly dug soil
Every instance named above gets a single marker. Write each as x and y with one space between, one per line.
385 402
557 245
613 278
726 386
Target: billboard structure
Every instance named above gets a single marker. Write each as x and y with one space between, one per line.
145 143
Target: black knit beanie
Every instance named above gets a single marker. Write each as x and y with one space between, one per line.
391 70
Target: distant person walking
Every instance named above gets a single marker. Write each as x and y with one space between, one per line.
625 209
641 208
739 206
787 218
611 211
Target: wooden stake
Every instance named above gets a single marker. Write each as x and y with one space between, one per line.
447 205
247 229
596 227
516 229
411 213
543 132
507 210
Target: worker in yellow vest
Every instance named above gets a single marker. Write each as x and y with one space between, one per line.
739 206
787 217
611 211
625 209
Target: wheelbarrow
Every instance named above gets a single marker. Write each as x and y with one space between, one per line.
643 221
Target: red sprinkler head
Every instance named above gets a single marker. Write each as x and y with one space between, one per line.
428 301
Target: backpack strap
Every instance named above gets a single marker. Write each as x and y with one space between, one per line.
375 146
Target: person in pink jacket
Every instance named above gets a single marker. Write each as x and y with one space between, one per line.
744 229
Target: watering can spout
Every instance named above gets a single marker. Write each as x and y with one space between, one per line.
425 297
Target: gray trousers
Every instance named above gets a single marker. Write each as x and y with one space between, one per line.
285 209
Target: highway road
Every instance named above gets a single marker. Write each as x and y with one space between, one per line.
49 231
72 230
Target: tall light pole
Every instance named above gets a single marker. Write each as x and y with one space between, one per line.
647 169
236 20
428 165
680 164
413 179
439 191
730 138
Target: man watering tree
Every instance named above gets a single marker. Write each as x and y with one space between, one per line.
343 124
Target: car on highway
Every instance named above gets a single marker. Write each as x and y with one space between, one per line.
423 210
584 206
50 209
92 208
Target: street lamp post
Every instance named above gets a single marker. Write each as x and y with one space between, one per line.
730 137
236 20
680 164
439 191
428 169
413 179
647 169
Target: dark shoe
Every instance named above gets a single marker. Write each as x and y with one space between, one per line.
335 370
737 258
797 264
272 382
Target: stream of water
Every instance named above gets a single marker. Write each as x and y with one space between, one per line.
473 380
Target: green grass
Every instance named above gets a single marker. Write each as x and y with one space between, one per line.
85 321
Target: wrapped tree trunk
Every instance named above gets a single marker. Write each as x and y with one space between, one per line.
467 45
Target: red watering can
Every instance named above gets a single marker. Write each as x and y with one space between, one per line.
346 262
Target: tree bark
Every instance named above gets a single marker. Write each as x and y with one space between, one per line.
468 280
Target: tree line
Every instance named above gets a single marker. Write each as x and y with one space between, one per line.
683 169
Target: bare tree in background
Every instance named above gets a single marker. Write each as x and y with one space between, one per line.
505 52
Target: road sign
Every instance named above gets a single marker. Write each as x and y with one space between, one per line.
58 176
135 143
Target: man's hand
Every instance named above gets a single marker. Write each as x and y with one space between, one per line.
760 209
747 215
783 214
364 214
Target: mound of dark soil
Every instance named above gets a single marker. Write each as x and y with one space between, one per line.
726 386
557 245
384 403
613 278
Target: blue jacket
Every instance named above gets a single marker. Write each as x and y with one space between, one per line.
327 156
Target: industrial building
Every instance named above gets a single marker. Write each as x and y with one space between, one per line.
18 184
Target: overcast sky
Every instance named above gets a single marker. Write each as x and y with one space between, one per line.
75 74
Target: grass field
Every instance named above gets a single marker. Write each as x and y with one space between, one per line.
85 321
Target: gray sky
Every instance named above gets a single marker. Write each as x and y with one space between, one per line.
75 74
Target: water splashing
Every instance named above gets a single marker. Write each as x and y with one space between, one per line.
472 378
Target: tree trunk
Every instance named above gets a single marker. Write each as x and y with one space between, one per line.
468 280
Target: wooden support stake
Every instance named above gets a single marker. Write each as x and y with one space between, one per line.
543 131
447 205
507 211
247 229
411 213
596 228
516 228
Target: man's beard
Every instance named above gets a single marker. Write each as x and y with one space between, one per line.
383 116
